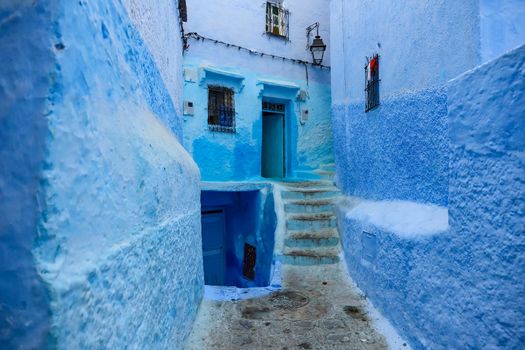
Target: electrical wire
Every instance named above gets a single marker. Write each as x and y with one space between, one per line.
197 36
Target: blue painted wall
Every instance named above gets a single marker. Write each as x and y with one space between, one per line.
407 273
250 218
24 300
455 285
433 223
413 39
502 26
222 156
398 151
487 207
89 135
158 24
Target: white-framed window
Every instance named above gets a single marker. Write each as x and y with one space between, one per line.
277 19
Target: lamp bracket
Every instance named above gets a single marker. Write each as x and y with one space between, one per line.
309 30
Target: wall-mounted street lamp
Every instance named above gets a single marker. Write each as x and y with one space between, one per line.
318 47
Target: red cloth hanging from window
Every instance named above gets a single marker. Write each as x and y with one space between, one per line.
373 66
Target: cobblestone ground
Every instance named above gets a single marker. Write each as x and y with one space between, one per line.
318 308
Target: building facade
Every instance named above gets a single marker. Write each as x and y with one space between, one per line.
280 108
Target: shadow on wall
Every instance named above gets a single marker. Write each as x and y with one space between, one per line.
24 88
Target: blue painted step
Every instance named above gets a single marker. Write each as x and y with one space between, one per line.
305 256
309 206
312 239
314 221
310 193
305 184
328 166
325 174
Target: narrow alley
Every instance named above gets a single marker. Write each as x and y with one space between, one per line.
250 175
316 305
317 308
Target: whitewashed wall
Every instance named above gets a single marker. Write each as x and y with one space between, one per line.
243 22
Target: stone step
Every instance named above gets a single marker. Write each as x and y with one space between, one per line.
310 205
328 167
326 174
311 221
312 239
305 256
304 184
310 193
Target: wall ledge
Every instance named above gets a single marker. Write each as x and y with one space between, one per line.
406 219
278 88
208 73
233 186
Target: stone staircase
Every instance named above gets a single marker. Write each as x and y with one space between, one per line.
311 228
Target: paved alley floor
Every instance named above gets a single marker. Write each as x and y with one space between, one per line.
318 308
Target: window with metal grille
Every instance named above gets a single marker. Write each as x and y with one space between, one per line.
277 20
221 109
372 83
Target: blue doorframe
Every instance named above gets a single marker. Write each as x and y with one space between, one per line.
273 148
286 127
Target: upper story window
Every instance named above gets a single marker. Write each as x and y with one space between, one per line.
221 109
277 19
372 83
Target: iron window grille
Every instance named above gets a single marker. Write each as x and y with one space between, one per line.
372 83
221 109
273 107
249 261
277 20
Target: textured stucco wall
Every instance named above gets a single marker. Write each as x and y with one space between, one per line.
408 277
502 26
487 195
398 151
115 235
158 24
457 285
433 150
237 157
24 302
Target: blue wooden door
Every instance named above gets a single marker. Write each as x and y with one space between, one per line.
213 238
273 146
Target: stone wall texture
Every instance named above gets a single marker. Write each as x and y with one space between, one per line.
100 232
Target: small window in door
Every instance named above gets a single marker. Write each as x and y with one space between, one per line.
221 109
273 107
